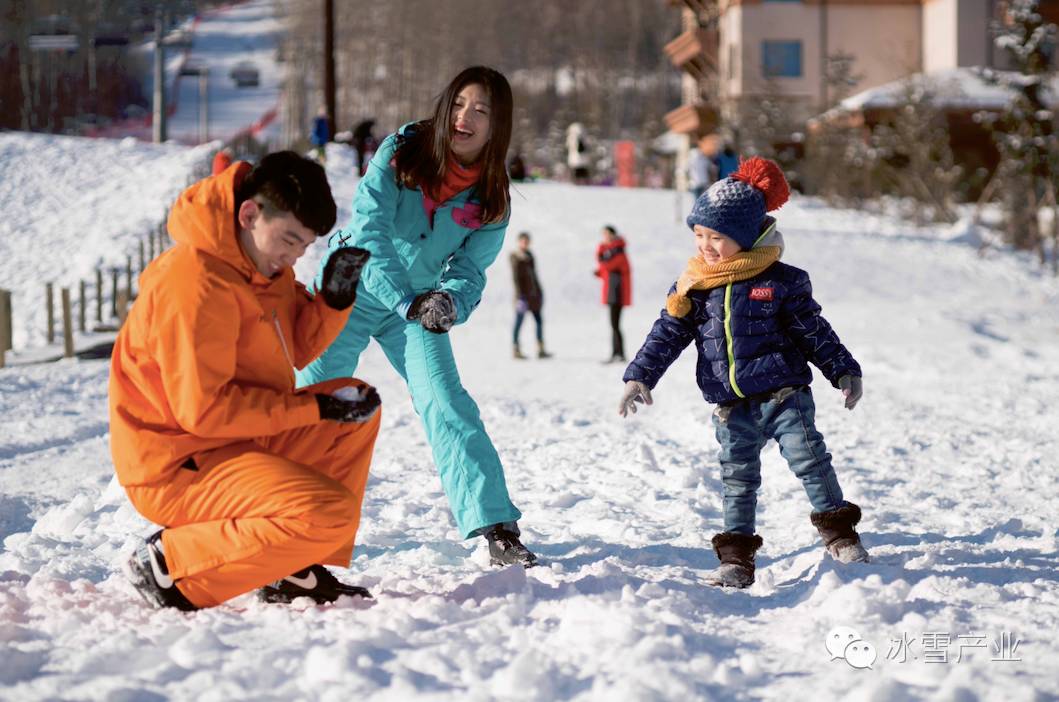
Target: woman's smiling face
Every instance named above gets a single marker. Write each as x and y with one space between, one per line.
471 123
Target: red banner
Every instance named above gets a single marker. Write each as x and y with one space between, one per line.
625 163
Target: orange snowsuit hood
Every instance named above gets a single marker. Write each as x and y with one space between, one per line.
207 353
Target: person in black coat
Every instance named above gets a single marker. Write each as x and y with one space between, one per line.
516 168
364 143
528 294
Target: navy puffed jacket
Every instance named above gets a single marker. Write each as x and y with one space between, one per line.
753 337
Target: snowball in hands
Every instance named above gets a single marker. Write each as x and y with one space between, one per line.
349 404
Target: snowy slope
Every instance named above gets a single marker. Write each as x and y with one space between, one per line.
952 454
73 204
242 32
219 39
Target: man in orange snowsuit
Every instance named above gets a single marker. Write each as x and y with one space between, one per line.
255 484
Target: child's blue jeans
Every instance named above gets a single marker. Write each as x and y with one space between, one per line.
743 429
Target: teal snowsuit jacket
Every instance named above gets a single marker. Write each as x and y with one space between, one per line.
409 255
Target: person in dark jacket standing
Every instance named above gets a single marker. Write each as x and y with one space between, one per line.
726 162
528 294
320 135
614 270
756 327
364 143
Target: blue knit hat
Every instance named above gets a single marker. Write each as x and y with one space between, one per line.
736 206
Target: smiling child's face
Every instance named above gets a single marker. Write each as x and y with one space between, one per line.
713 246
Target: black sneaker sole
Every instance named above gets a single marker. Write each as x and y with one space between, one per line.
273 596
493 561
140 583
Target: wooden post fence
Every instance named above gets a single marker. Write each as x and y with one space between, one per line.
49 296
143 263
99 296
128 275
5 324
68 327
114 292
82 300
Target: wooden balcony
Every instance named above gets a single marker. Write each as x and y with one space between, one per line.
696 120
699 6
695 52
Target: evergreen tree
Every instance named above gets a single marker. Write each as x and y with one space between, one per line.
1024 181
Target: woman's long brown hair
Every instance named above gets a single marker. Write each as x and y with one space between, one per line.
422 155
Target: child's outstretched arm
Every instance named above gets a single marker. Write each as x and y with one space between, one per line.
664 343
852 389
635 391
818 342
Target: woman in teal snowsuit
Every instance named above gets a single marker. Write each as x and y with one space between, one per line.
432 209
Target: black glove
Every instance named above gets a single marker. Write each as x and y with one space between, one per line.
341 275
435 310
361 409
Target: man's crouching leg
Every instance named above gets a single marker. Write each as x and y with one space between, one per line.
255 513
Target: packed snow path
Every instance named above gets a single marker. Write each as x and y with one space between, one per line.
952 454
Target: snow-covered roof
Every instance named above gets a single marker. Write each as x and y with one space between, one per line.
953 88
669 142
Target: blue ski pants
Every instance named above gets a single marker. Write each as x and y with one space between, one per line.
467 462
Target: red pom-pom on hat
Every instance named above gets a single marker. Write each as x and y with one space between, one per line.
766 176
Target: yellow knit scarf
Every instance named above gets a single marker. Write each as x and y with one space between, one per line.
702 276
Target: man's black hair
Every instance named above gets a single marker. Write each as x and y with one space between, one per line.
610 228
288 182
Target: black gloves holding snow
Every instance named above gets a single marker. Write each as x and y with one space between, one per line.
341 275
435 310
349 404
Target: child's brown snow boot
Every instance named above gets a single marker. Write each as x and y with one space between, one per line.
840 538
736 553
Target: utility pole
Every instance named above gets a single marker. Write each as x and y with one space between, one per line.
158 122
329 64
204 105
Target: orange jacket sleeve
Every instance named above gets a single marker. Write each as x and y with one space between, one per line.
316 326
196 346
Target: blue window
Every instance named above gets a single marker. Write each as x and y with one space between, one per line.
781 59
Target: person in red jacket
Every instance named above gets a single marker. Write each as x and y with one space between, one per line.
614 270
221 160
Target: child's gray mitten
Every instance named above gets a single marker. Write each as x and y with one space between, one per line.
635 391
853 388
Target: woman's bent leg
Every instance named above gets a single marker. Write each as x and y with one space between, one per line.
470 469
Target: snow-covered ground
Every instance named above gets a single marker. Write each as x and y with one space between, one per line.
952 455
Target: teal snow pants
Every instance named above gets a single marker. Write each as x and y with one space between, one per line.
467 462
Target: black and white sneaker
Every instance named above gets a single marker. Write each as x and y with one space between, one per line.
505 547
147 571
314 582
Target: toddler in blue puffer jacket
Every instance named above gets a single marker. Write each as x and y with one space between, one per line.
756 327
